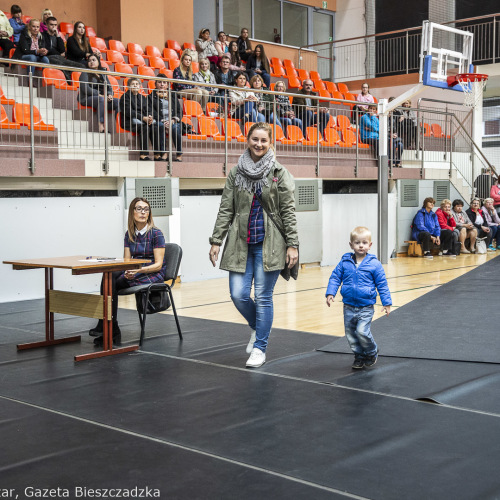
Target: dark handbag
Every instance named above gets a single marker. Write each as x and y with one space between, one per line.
158 301
187 128
286 272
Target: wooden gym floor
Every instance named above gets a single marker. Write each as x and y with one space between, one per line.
300 305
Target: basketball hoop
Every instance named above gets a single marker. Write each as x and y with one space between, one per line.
472 84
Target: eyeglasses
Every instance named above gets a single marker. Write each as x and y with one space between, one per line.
144 210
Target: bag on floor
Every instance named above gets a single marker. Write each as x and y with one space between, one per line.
158 301
456 247
481 246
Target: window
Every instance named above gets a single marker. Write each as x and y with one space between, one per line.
267 20
237 15
294 24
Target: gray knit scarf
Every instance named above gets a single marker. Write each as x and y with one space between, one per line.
253 176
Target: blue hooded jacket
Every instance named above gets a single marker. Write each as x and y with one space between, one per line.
424 221
360 285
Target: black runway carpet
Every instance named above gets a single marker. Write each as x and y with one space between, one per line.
188 420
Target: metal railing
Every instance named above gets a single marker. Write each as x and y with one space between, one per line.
398 52
324 135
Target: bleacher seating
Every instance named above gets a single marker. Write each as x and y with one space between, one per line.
21 115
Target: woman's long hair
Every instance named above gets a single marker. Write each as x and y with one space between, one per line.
84 44
131 221
234 54
189 72
263 58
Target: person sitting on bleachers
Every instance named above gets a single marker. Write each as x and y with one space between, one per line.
305 108
495 194
407 126
368 128
493 221
222 44
244 45
235 63
43 24
284 110
31 46
466 229
137 116
396 146
478 218
258 64
262 108
223 75
6 32
242 101
78 47
16 22
365 96
206 47
187 90
449 232
95 89
206 76
163 114
425 227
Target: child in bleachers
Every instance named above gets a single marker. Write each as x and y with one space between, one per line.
16 21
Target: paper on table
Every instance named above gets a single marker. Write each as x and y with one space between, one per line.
101 259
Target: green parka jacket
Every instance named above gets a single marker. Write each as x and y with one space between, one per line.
234 212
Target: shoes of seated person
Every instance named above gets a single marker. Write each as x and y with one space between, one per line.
491 248
117 337
428 255
256 359
96 331
358 364
464 250
449 253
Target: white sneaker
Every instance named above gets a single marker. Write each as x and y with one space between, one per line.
251 343
256 359
464 250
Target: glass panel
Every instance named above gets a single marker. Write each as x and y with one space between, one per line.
267 20
294 25
204 17
237 15
323 32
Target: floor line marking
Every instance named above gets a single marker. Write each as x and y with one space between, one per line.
188 448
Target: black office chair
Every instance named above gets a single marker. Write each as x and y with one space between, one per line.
144 298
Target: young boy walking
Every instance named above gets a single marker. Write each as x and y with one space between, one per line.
361 275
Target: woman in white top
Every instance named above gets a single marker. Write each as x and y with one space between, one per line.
243 102
222 43
206 47
206 76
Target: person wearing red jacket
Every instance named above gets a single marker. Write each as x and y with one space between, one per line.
448 225
495 194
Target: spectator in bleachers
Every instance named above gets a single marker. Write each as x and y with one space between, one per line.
223 75
425 227
493 221
477 218
206 76
16 21
136 115
465 227
407 126
261 106
242 101
235 63
365 96
284 110
396 146
258 64
206 47
449 232
56 49
185 72
78 47
483 184
368 128
164 114
305 108
495 194
95 89
244 45
6 32
31 46
222 44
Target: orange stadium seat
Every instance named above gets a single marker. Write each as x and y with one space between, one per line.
427 130
189 45
276 61
98 43
66 28
168 73
280 136
124 68
145 71
153 51
114 56
319 85
437 131
233 130
324 93
105 65
151 86
294 133
56 77
21 115
170 54
350 138
3 99
350 97
315 75
312 137
174 44
332 138
303 74
157 63
5 122
212 107
90 31
195 67
117 92
277 71
288 63
117 46
291 72
194 137
192 108
173 63
136 60
343 88
343 122
337 95
135 48
75 78
294 82
331 87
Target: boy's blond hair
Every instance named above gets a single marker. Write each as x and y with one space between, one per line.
360 231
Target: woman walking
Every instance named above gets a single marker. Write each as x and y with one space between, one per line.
255 250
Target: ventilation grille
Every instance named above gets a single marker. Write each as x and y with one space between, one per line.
158 192
409 193
306 196
441 191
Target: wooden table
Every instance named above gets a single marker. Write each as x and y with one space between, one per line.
79 304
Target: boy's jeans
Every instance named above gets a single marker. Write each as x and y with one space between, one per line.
357 322
258 313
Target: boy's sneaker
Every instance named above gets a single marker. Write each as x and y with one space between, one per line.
491 248
251 343
428 255
371 360
256 359
358 363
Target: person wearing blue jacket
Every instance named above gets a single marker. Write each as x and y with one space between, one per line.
361 276
368 128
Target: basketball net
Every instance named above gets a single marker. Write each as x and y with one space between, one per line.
473 85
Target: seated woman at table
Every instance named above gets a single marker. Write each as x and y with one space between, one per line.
142 241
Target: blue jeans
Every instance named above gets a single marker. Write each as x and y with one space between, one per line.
246 109
258 313
97 102
34 58
357 322
309 118
176 137
290 121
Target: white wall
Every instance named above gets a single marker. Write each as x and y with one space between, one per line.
54 227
